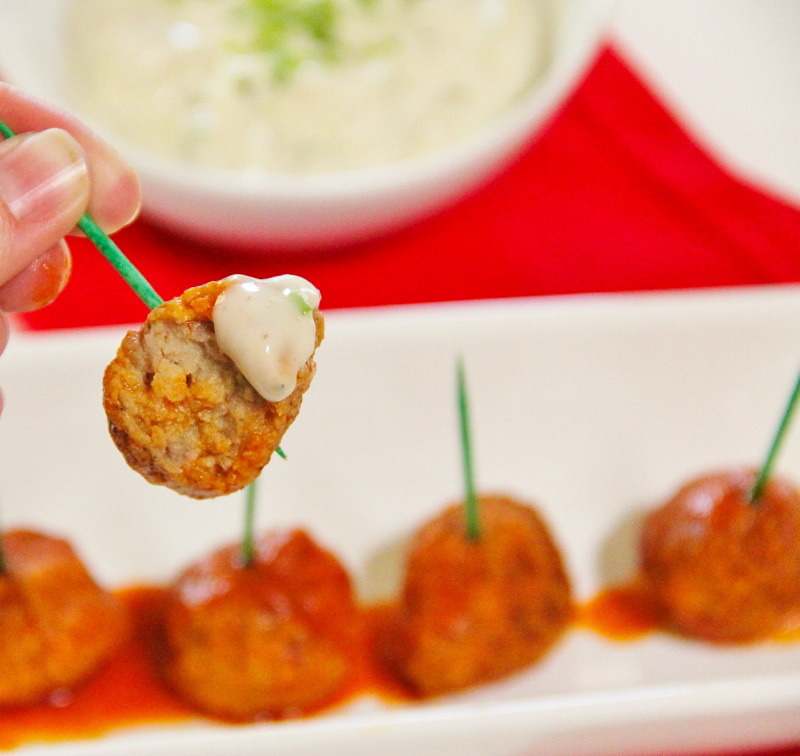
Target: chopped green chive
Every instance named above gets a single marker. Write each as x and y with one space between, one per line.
301 303
289 32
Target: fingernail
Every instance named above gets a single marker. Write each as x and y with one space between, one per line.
42 175
51 273
38 284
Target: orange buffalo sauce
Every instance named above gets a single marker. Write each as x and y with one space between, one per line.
367 674
623 612
790 632
128 690
125 691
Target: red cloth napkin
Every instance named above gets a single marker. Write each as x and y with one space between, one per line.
613 196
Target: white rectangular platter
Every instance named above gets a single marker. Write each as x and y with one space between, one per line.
594 408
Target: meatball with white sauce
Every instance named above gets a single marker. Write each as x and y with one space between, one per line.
199 398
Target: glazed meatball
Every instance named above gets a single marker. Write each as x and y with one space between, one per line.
56 624
261 641
471 612
721 568
182 413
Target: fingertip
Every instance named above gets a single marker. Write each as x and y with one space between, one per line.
44 191
115 195
39 283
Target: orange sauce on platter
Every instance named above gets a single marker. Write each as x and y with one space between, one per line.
128 690
624 612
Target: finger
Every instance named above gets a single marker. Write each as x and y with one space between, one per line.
115 197
38 284
44 190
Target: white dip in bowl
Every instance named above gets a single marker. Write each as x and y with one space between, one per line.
301 86
332 122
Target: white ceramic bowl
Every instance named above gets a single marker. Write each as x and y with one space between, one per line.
267 212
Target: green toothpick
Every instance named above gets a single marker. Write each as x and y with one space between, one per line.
471 512
248 538
780 433
140 285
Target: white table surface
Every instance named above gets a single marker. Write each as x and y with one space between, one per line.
730 70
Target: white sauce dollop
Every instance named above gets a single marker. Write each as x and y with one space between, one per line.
266 326
404 77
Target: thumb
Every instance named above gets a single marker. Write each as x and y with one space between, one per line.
44 190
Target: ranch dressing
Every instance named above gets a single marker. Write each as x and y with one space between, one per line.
266 326
353 83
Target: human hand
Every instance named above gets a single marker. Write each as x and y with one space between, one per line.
51 173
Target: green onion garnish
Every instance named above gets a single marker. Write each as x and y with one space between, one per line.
299 300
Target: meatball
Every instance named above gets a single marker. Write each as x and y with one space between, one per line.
471 612
719 567
56 624
261 641
182 413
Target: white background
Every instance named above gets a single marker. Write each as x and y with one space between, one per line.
730 69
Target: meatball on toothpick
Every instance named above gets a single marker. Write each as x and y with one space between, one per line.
721 558
263 640
486 592
200 397
475 611
720 567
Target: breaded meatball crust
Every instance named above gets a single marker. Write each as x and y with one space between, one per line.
56 624
720 568
263 641
471 612
182 413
